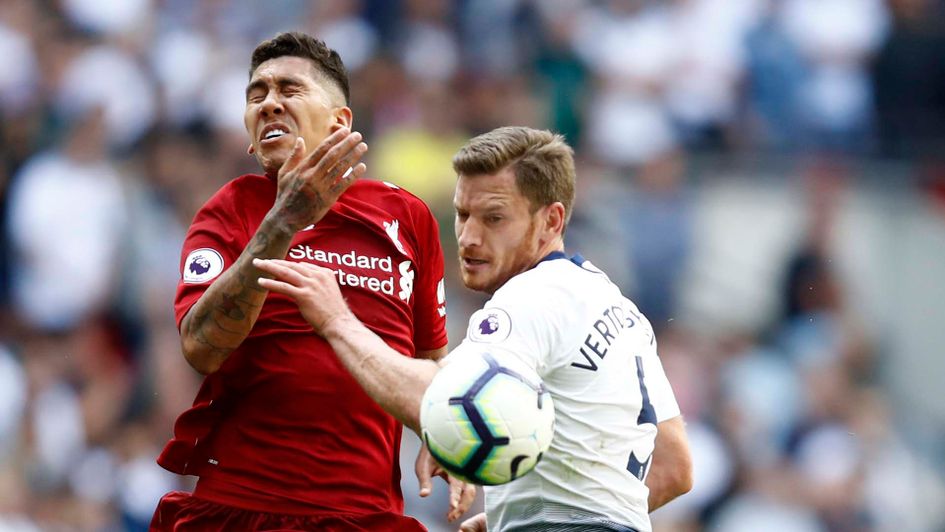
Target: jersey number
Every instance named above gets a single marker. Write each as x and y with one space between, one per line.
647 415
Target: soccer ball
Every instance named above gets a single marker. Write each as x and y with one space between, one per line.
486 421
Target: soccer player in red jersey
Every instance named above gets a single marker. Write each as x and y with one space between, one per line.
280 435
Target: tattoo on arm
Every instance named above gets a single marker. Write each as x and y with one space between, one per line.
224 315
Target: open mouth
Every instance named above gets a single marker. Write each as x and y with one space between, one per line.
273 132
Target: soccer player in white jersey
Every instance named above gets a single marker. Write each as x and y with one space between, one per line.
620 449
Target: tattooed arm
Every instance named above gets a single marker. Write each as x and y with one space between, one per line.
307 188
223 316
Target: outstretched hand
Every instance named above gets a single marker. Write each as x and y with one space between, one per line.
308 185
314 289
462 494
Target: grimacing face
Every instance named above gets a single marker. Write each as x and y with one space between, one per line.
498 235
286 99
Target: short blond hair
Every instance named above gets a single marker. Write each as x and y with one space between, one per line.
542 162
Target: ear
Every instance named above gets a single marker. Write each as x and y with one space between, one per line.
343 118
554 220
250 150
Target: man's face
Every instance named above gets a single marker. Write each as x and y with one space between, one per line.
497 234
285 99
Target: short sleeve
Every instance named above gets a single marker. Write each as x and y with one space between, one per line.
520 327
660 391
213 243
429 306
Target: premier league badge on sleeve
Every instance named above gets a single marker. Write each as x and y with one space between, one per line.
202 265
489 325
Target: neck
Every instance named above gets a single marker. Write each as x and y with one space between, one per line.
550 247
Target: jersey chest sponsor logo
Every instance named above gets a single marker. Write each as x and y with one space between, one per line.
202 265
489 325
358 270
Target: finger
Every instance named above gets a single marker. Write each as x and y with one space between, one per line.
424 476
426 486
358 171
461 497
456 489
347 171
314 268
476 523
325 146
298 153
345 165
305 269
279 287
351 149
279 271
332 148
467 498
342 184
467 494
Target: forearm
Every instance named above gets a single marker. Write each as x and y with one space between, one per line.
670 473
394 381
224 315
662 487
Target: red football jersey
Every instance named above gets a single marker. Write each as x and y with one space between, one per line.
282 426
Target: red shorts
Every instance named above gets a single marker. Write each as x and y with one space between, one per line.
179 511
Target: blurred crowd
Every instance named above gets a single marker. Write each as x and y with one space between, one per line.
121 117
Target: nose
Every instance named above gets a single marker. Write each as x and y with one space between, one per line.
272 105
468 233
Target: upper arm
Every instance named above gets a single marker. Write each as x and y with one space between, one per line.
212 245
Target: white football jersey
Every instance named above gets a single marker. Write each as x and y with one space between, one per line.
596 354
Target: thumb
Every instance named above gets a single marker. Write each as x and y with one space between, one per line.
477 523
298 153
425 468
425 480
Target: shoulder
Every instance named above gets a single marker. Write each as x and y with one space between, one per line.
236 204
552 279
246 186
245 194
555 290
389 196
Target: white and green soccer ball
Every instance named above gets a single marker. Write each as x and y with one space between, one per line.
487 421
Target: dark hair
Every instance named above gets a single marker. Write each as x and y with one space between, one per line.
298 44
542 161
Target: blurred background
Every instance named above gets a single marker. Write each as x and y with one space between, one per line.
765 178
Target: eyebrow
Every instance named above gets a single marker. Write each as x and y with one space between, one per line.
281 82
484 210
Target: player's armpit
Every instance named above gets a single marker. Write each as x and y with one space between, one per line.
670 474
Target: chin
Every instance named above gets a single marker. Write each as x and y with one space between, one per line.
479 284
271 163
473 283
